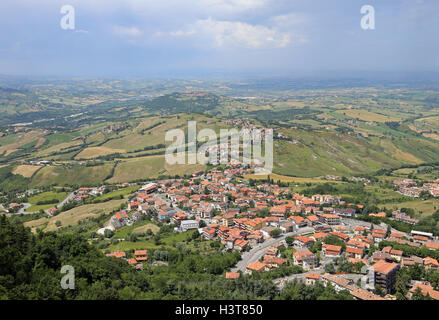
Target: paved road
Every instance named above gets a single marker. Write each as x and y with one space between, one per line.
258 251
25 206
67 199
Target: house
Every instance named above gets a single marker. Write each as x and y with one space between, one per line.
329 250
232 275
337 282
362 294
312 220
117 254
257 266
306 259
278 211
303 241
319 236
395 254
287 227
425 289
420 239
341 236
359 230
209 233
383 274
330 219
431 263
274 262
411 261
312 278
299 221
149 188
432 245
133 205
240 244
349 212
52 211
179 217
140 255
354 252
186 225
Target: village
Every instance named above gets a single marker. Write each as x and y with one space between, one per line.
272 227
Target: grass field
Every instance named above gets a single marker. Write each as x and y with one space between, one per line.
149 167
139 227
73 216
94 152
80 175
367 116
426 207
282 178
44 197
25 170
122 192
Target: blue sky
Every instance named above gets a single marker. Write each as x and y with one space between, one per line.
177 38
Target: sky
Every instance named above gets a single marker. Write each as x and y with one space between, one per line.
197 38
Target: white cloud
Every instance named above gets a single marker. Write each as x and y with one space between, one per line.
240 34
127 31
181 33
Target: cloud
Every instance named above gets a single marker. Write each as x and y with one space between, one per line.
240 34
181 33
127 31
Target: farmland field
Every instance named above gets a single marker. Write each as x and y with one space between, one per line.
26 171
45 196
94 152
367 115
73 216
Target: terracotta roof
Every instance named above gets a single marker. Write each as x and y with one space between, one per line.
314 276
232 275
256 266
384 267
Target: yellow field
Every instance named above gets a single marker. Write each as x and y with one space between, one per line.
282 178
366 115
58 147
149 167
34 224
40 142
26 171
431 135
94 152
23 139
426 207
73 216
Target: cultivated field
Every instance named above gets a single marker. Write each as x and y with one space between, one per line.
73 216
366 115
94 152
25 170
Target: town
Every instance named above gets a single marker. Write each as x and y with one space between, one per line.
273 229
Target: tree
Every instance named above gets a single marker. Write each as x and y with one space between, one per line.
379 291
108 233
275 233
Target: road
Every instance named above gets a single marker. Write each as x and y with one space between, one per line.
258 251
25 206
66 200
